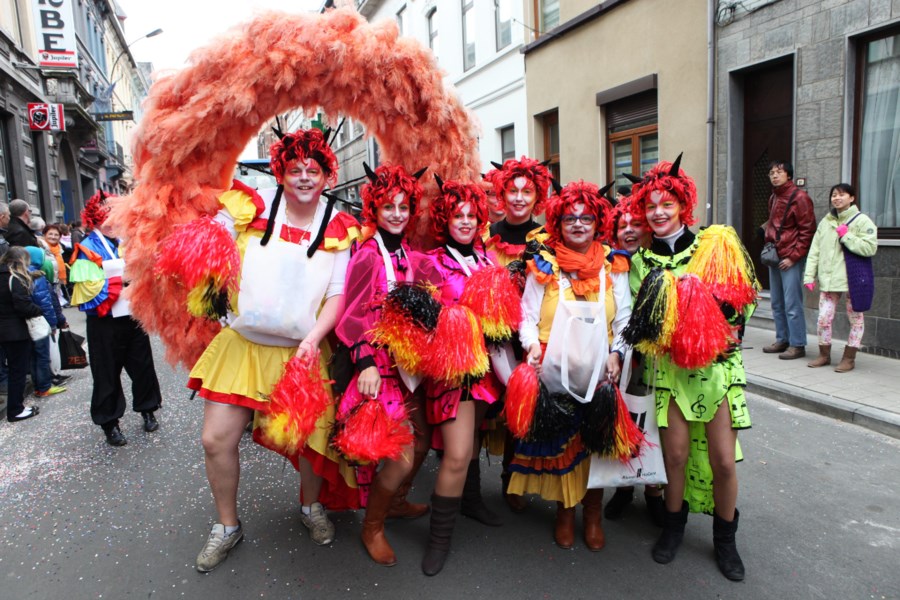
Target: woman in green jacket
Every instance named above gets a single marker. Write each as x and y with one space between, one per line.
843 227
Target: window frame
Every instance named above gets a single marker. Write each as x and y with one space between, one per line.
500 46
635 135
539 17
399 16
467 12
504 155
549 119
432 30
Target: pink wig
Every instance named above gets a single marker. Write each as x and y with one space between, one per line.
454 194
531 170
390 180
195 127
564 202
660 179
301 145
96 210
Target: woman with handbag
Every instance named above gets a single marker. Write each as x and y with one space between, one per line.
16 307
381 260
697 368
844 231
573 267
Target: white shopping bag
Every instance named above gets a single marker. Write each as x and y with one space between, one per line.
648 467
578 346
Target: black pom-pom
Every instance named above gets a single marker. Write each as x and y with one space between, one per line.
415 300
598 429
647 315
553 415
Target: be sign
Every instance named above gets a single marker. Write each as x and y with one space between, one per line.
46 117
55 31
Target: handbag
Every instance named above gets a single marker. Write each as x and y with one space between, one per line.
648 467
769 255
71 351
38 327
860 278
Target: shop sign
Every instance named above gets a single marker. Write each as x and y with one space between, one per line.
46 117
54 24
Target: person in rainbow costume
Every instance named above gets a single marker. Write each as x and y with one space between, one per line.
693 292
288 259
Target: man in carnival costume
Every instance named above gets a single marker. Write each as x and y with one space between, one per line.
520 190
294 250
115 339
692 293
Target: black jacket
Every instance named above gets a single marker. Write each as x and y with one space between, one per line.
18 234
15 307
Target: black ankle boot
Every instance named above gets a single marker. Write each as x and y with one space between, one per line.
617 504
150 422
656 509
473 505
727 556
666 546
443 520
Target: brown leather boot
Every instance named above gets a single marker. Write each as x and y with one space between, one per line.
373 526
593 524
515 502
400 507
824 357
848 361
564 529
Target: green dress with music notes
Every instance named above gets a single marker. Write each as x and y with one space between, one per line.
699 392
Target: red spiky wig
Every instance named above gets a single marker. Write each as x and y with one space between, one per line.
563 203
301 145
96 210
453 194
390 180
680 186
528 168
625 206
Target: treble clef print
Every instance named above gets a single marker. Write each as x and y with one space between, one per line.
698 407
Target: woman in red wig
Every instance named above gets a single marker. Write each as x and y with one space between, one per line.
699 373
383 259
572 265
458 218
294 250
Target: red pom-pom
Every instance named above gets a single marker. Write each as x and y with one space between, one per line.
702 333
297 402
521 399
369 434
495 299
629 437
457 348
204 257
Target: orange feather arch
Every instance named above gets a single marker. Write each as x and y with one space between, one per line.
198 120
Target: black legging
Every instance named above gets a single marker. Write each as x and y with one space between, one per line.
18 361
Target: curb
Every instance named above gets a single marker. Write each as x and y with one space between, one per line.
875 419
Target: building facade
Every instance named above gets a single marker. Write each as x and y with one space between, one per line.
616 86
818 84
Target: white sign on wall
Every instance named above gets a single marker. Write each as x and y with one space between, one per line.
54 23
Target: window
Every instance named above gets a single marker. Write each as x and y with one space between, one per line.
433 32
400 14
547 14
508 142
468 31
550 125
7 173
878 131
503 22
632 136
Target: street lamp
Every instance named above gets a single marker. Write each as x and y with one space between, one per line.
153 33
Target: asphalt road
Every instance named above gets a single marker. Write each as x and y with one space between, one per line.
80 519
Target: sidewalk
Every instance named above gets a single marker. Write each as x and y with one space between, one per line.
868 396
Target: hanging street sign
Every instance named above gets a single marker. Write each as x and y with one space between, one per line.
122 115
46 117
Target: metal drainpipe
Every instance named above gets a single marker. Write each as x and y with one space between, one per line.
710 108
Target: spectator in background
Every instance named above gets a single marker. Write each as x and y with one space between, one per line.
18 232
15 307
76 232
4 222
791 225
42 295
52 236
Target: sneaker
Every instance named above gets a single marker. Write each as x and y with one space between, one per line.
60 379
217 546
321 529
55 389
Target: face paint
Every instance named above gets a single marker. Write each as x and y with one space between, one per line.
463 224
521 196
663 213
394 216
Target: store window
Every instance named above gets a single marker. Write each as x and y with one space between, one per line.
503 23
877 169
632 136
468 31
547 13
550 126
508 142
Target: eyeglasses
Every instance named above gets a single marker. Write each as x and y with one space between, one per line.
569 220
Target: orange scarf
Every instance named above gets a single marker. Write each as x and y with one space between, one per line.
586 266
56 251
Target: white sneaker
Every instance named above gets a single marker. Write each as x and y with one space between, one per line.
321 529
217 546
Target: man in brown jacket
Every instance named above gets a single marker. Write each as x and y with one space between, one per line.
791 225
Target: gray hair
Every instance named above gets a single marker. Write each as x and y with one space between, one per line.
4 208
37 224
18 207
